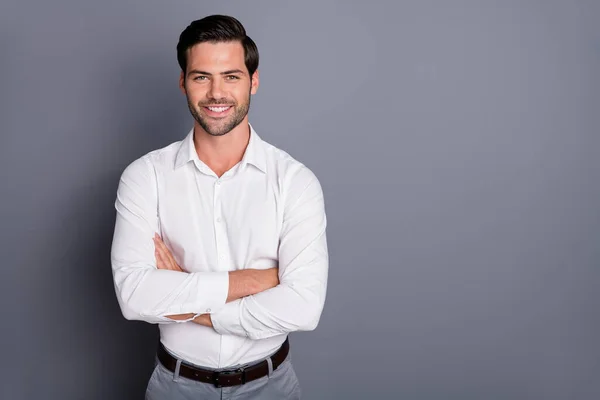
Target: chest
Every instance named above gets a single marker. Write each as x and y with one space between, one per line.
215 224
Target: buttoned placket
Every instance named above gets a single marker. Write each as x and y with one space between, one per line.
221 238
218 223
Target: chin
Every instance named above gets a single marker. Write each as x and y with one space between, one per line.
215 131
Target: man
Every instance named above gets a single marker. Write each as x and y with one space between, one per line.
220 237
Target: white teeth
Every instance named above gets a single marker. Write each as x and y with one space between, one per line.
218 109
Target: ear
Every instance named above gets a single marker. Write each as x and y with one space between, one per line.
182 82
255 82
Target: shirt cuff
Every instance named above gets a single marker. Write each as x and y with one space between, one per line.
212 292
226 321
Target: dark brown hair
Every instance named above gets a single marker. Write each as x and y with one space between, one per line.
215 29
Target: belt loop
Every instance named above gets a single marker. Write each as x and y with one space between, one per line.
176 373
270 363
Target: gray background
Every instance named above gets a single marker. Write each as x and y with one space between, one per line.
456 142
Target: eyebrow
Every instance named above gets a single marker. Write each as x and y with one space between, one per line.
230 72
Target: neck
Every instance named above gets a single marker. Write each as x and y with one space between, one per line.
221 153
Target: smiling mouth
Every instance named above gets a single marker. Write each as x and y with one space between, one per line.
217 109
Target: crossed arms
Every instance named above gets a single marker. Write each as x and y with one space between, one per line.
248 303
242 283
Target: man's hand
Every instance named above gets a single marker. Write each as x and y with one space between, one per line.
164 258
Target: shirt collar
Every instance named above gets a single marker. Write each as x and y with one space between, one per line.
254 154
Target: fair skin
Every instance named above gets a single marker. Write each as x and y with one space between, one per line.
218 86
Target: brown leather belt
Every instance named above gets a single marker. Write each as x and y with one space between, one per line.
224 378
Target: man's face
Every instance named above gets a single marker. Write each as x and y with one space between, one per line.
218 86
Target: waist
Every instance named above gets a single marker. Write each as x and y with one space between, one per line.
202 346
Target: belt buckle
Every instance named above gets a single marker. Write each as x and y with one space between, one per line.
217 375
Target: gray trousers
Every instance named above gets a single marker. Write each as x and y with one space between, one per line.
281 383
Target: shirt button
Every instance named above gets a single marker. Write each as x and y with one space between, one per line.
208 310
218 183
219 219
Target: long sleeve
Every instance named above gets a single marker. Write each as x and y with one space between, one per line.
144 292
297 302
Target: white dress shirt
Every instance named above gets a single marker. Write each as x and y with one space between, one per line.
266 211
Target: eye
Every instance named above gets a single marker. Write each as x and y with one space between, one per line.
201 78
232 77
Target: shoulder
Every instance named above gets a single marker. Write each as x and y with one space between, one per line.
293 177
148 164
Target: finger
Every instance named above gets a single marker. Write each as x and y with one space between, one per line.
161 261
155 249
168 256
160 251
162 245
156 239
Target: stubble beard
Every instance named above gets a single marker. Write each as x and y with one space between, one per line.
224 126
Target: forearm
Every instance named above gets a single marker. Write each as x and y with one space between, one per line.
247 282
151 295
275 312
146 292
297 303
242 283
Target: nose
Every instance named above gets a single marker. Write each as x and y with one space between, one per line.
216 89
